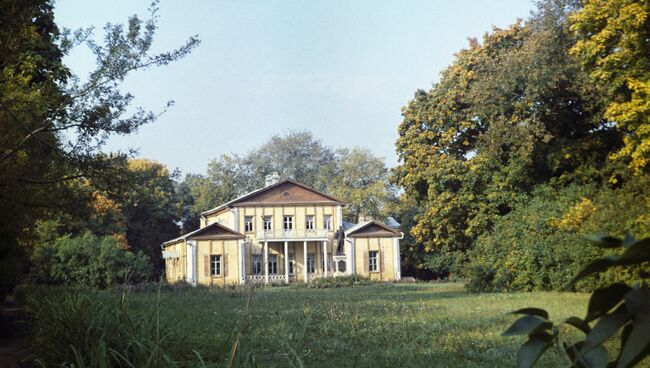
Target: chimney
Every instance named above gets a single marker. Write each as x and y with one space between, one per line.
272 179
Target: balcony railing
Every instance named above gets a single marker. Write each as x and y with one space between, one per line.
259 279
292 234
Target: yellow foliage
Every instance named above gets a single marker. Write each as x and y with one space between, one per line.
573 219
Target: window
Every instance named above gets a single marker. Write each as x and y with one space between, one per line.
257 264
248 223
267 223
215 265
309 223
311 263
292 261
329 264
372 261
327 222
288 222
273 264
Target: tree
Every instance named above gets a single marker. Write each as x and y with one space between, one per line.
354 175
361 180
298 155
52 123
151 210
510 113
613 47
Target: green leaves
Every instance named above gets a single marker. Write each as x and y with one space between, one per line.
527 325
637 343
603 300
636 253
533 349
532 311
631 314
605 241
540 336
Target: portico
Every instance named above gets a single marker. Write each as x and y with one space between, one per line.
289 260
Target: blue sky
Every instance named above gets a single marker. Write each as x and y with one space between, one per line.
341 69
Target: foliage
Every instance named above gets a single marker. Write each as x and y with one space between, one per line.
340 281
54 123
540 245
354 175
415 261
611 309
152 209
10 265
510 113
361 180
613 48
90 261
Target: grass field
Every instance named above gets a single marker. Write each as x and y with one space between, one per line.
382 325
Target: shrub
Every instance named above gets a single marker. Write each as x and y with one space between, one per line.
340 281
11 261
89 260
612 308
541 244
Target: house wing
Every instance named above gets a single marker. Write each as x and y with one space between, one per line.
372 229
213 231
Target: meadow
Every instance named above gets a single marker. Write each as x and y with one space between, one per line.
379 325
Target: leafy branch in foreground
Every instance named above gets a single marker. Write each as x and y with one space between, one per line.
614 308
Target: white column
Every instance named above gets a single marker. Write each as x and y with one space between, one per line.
286 262
325 258
353 257
339 214
242 263
398 261
304 247
266 262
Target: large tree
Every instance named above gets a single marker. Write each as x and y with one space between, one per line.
511 112
614 47
361 180
54 123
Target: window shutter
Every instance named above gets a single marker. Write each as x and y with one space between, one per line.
225 265
206 264
381 261
366 262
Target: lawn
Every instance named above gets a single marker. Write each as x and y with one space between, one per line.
381 325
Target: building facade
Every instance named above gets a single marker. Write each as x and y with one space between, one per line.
285 232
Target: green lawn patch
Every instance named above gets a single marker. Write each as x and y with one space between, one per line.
378 325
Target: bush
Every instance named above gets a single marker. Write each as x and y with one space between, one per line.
11 263
340 281
90 261
541 244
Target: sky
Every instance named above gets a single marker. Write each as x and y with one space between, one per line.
340 69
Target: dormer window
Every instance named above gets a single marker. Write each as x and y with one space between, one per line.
309 222
248 223
288 222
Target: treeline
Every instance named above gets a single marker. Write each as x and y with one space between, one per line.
354 175
73 214
69 212
532 138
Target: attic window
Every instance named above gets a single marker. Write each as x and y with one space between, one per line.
286 194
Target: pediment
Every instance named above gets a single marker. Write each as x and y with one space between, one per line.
373 229
287 192
215 231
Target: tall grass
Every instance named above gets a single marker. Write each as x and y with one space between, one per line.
75 328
